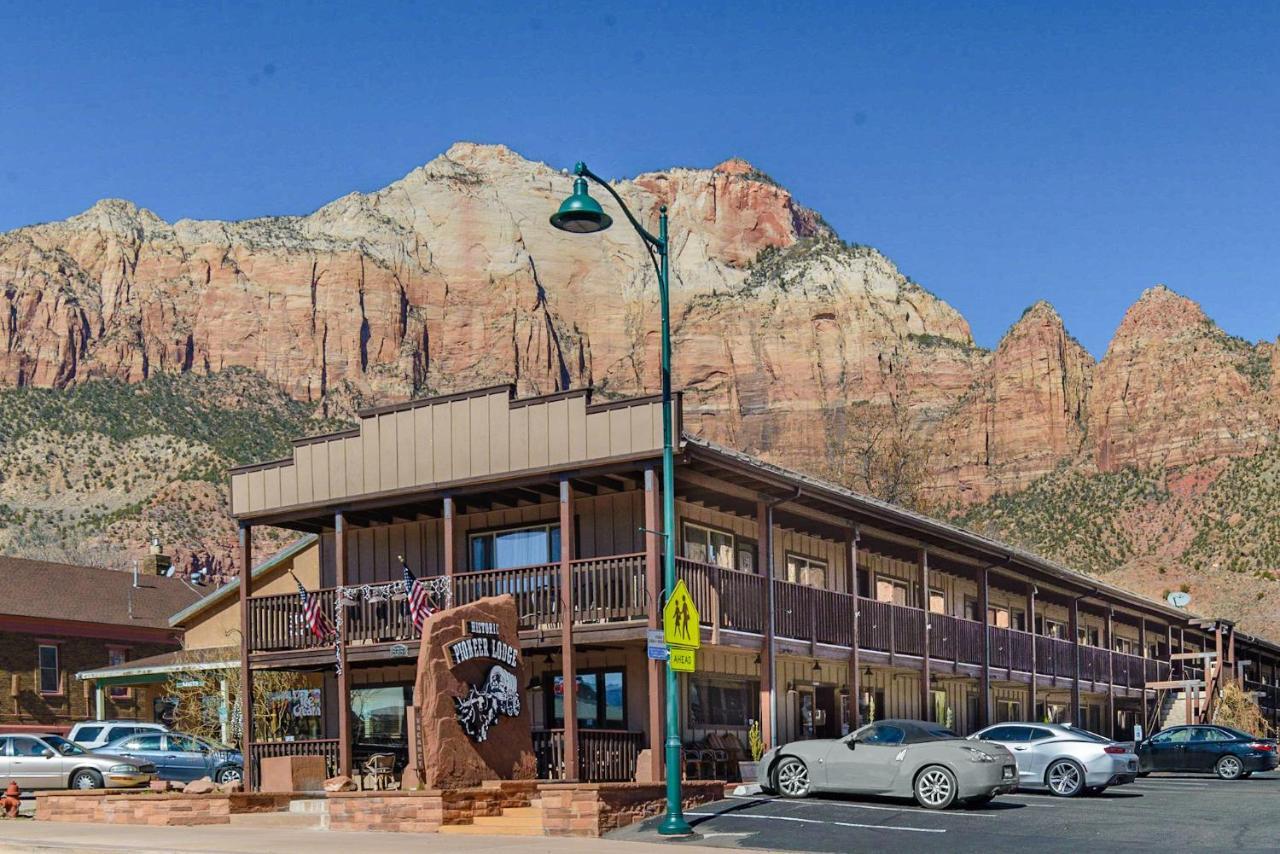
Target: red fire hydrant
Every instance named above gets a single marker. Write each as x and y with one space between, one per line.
12 800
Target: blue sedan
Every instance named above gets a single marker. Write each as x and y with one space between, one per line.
180 757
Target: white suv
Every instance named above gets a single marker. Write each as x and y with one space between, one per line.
94 734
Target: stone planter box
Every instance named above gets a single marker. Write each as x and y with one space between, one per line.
142 807
594 809
748 771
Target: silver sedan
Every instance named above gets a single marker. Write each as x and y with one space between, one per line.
898 758
1063 759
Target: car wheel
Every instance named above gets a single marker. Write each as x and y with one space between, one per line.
1064 778
230 774
791 778
1229 767
935 788
86 778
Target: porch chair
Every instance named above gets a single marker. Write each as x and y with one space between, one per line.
381 767
695 761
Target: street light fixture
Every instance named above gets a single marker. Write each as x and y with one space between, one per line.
581 214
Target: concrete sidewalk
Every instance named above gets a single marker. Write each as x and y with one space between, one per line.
221 839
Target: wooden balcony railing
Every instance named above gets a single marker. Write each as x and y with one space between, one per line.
604 755
276 622
326 747
614 589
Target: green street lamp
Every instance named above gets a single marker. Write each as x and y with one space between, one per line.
581 214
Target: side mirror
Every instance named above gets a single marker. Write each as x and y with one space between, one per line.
852 743
47 753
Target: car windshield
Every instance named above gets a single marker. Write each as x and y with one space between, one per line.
66 748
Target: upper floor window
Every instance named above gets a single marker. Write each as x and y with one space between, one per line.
1126 645
513 547
937 602
708 545
806 570
1090 635
1053 629
892 590
50 674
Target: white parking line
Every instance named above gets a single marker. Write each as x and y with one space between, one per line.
813 803
816 821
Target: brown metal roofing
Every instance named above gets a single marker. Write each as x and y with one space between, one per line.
89 594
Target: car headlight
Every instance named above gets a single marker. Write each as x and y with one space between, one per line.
123 769
976 755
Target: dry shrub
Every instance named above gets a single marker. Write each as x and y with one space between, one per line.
1238 709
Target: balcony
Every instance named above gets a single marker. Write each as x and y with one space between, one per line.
608 589
613 590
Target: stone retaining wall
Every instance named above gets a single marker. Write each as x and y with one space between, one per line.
143 807
426 810
594 809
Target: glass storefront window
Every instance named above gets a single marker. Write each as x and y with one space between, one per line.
378 714
723 702
601 699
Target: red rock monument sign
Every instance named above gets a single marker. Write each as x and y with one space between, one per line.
474 722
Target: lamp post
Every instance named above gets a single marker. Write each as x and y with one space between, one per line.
581 214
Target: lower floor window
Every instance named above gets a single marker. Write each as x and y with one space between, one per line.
50 677
601 700
723 702
1008 710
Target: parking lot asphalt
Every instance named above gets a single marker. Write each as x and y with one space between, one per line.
1177 811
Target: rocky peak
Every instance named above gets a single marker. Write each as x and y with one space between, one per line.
1159 314
736 166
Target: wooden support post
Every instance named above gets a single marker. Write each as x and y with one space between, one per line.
1142 642
1031 627
1075 674
855 664
653 584
926 698
1111 670
764 542
246 637
568 671
447 535
344 677
984 682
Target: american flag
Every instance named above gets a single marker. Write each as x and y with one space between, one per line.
419 600
316 621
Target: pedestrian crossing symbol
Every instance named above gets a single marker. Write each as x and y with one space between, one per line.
680 619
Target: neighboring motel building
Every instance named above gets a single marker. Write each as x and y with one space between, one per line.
558 493
57 619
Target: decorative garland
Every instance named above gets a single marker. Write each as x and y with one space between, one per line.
438 588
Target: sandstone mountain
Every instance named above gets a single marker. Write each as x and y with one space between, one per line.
790 343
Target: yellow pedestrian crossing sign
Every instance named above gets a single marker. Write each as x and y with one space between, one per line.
680 619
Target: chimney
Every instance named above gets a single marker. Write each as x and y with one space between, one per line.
156 562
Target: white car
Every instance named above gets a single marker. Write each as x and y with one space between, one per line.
94 734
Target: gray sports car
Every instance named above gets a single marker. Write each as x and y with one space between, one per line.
1064 759
896 758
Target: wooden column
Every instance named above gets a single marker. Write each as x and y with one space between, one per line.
1031 627
1075 681
1111 670
1142 642
653 584
984 683
855 665
764 540
344 678
446 534
926 701
246 674
1217 656
567 669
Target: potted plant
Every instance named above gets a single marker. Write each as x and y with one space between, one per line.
755 744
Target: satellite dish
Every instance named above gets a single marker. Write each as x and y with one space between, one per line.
1178 599
168 573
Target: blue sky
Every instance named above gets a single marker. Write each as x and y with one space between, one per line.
998 152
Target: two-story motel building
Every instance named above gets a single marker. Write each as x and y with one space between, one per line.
556 500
